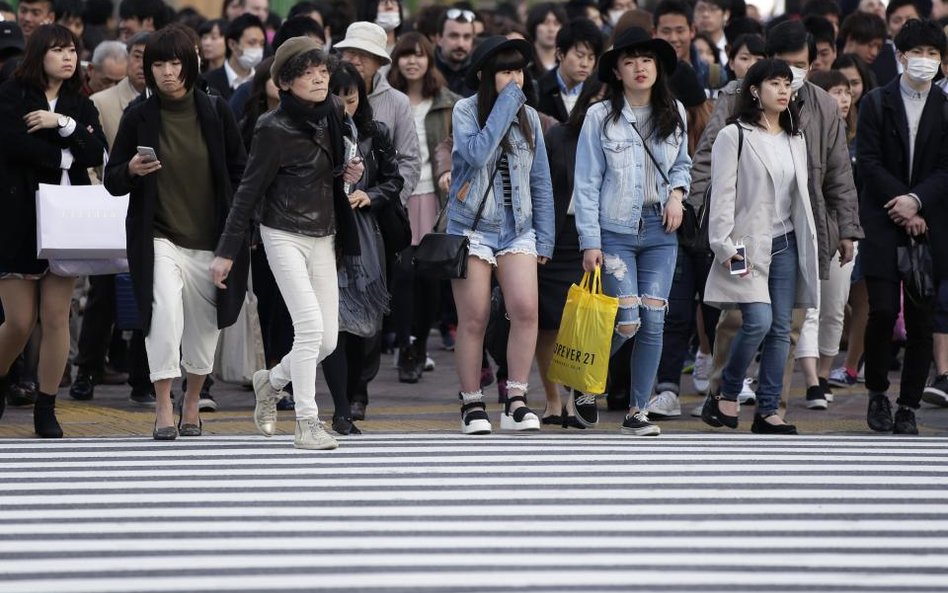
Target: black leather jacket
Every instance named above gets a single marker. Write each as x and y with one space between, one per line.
290 171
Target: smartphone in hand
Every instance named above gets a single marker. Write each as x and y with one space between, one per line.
739 267
147 153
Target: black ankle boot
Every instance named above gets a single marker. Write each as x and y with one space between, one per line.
44 417
4 387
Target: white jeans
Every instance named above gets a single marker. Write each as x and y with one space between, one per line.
305 271
183 313
823 327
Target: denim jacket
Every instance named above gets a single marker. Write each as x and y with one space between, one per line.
607 190
474 158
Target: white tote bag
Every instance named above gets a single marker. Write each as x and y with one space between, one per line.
240 349
79 222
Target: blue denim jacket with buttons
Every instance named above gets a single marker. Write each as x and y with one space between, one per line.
474 158
610 160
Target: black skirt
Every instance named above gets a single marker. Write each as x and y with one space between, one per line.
561 272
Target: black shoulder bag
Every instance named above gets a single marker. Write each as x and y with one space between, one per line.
443 256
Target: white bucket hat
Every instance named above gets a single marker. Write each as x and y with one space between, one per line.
367 37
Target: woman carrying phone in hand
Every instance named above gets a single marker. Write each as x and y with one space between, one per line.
50 133
632 172
177 208
760 205
500 170
295 173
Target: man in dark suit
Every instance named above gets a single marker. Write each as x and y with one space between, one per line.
903 157
246 39
897 13
578 46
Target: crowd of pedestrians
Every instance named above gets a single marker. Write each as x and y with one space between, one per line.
756 190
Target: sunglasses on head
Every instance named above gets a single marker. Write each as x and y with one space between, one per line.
457 14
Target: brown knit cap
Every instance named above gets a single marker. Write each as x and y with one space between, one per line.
291 48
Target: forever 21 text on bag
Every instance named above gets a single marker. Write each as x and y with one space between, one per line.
581 353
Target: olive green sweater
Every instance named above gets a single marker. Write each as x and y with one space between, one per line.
185 212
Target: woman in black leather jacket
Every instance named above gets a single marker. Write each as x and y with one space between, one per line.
364 296
296 168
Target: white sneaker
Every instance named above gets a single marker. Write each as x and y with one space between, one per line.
429 364
664 405
696 411
747 395
265 410
310 434
702 373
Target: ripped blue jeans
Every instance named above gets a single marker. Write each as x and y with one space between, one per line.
638 269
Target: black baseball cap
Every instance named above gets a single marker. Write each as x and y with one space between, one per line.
11 37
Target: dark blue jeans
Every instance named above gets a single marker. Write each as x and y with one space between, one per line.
766 324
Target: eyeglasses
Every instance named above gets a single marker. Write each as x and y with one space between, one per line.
456 14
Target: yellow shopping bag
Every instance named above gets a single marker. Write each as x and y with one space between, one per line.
581 354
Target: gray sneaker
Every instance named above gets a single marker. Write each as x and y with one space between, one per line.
310 434
265 411
664 405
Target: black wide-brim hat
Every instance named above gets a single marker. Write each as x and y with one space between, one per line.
490 47
637 38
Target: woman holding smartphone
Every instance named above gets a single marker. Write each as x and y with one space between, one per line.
502 199
178 154
296 169
763 236
632 172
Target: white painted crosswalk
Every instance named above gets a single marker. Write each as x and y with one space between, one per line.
435 512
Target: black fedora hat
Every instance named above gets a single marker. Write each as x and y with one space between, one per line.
637 38
490 47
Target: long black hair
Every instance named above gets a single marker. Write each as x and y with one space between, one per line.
487 93
589 95
664 108
257 102
748 109
345 79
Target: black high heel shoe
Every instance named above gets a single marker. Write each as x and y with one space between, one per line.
712 416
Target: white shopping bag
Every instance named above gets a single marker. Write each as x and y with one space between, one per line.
240 348
79 222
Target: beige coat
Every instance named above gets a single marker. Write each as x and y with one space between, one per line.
742 205
111 104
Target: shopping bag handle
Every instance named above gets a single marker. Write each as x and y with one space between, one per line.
592 281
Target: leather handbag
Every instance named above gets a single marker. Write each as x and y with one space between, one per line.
443 256
916 269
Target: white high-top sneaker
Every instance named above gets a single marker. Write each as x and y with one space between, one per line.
265 410
310 434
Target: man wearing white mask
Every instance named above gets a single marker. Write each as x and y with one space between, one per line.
830 180
903 161
245 40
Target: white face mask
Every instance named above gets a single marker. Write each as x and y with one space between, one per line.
922 69
250 57
388 20
799 77
614 16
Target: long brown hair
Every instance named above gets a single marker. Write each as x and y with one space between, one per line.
417 44
31 72
698 118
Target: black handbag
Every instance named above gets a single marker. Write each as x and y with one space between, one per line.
916 270
443 256
394 226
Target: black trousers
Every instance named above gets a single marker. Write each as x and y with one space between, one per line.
885 301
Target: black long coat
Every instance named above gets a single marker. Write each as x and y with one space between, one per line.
26 160
882 157
141 126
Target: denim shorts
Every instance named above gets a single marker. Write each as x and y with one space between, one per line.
488 245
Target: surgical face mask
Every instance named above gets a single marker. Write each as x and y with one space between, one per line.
250 57
614 16
922 69
388 20
799 77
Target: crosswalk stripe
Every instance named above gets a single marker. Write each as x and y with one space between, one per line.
445 513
